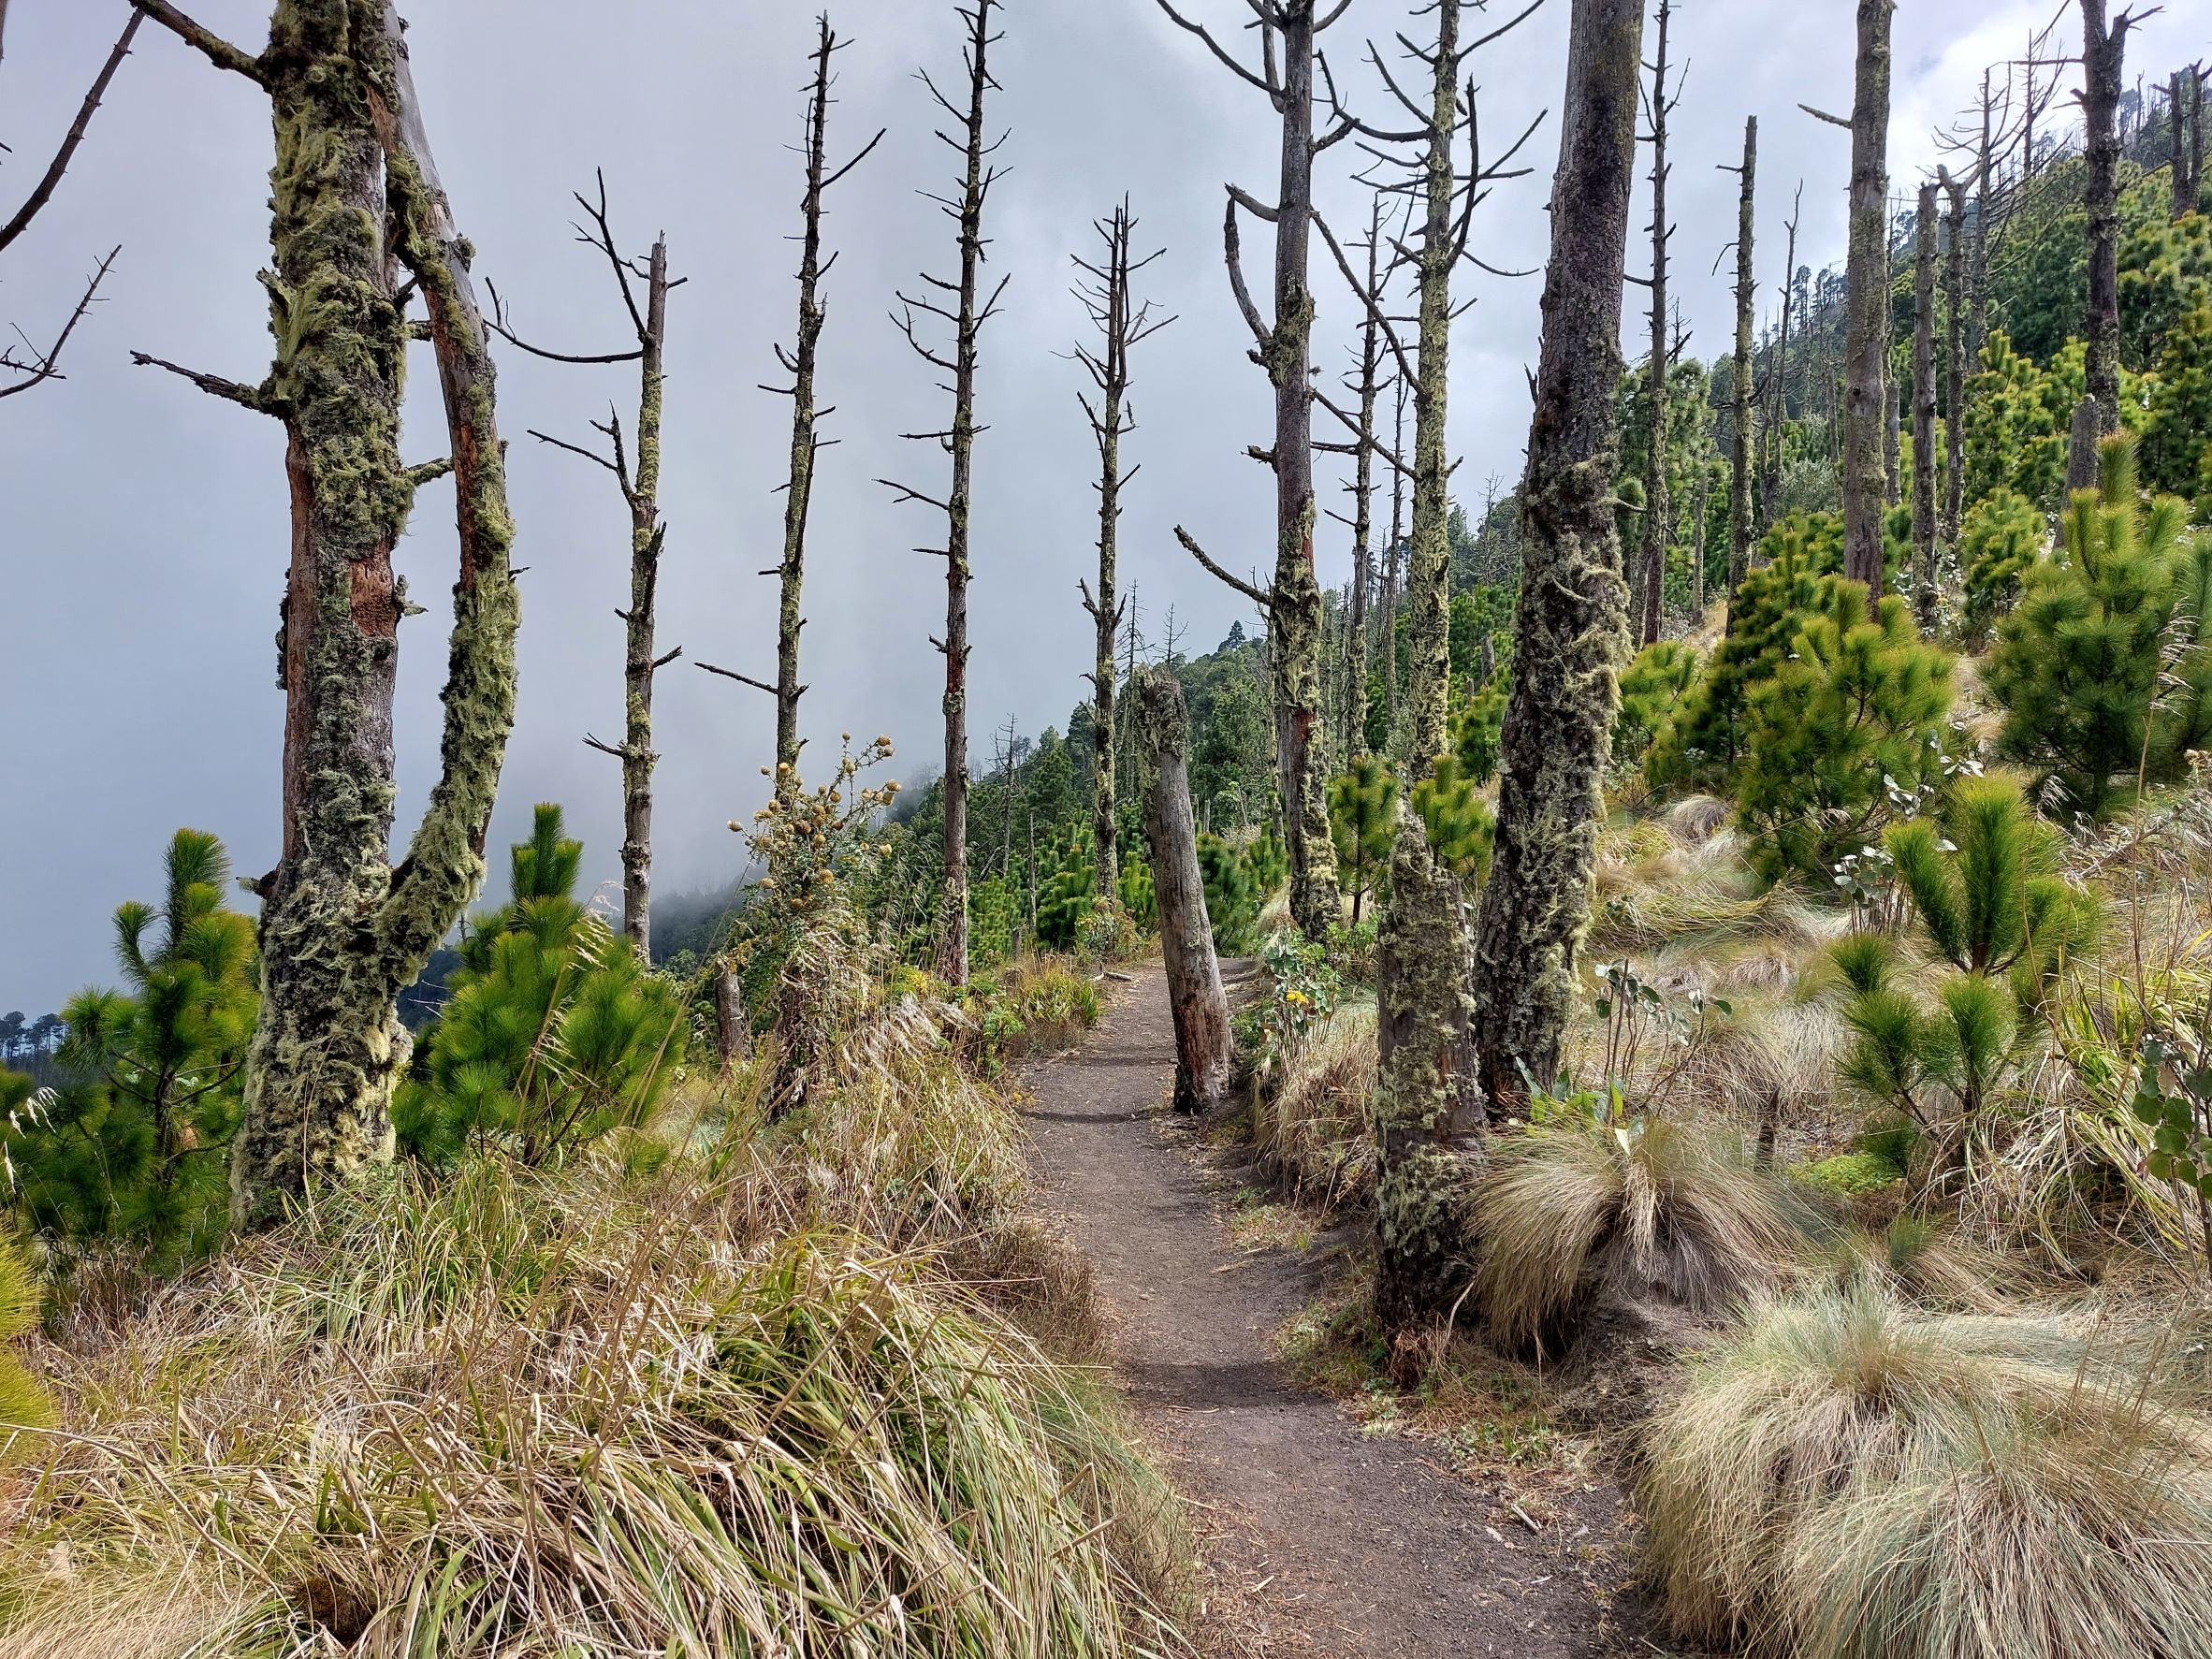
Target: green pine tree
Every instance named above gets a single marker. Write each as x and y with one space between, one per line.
555 1035
1232 899
1363 820
2177 418
2077 663
1064 899
131 1148
2003 535
1134 885
1848 722
1652 687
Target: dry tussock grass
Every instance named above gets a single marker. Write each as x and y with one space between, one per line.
1313 1131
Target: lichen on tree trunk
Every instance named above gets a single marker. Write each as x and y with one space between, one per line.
2104 56
1740 444
356 201
1204 1046
1866 474
1570 625
1653 585
1924 409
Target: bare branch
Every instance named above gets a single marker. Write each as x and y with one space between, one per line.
258 399
1268 85
219 52
43 191
497 323
743 679
46 365
1256 595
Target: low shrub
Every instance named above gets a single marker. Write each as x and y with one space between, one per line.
1626 1208
1312 1130
1852 1479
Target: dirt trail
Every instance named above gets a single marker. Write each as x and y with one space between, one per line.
1320 1540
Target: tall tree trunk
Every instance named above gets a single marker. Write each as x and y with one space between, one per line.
1570 626
1954 364
2104 54
2182 186
1293 599
1363 501
357 202
638 663
1924 410
1393 566
1656 517
1424 1097
1121 324
1770 495
1865 478
1977 304
1740 445
973 312
1204 1048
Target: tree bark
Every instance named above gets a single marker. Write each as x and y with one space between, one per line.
357 199
1571 623
1954 365
1293 600
1924 410
1204 1047
1121 324
1977 304
2182 186
1865 478
973 312
2104 54
639 664
1656 516
1770 493
1364 502
1740 447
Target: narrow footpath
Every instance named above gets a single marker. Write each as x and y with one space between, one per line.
1318 1540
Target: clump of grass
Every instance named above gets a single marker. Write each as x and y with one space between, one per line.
1640 1209
1850 1478
525 1412
1312 1131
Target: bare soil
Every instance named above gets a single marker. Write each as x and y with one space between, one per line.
1317 1540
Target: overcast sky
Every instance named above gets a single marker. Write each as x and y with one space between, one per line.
144 532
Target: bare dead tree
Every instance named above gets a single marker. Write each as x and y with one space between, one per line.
1121 322
1739 438
342 930
1778 415
1955 304
640 491
806 442
2104 54
1865 352
1393 561
1923 408
1571 618
1651 583
36 365
2184 109
1364 384
1204 1047
1292 601
968 311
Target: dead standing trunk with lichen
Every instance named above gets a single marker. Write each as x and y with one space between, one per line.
1866 394
1953 363
2104 55
1204 1045
357 202
1121 323
1739 438
1657 517
1924 409
1293 599
1570 622
958 441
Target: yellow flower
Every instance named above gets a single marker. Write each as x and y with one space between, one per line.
1294 997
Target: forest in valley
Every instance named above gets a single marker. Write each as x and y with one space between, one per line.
1665 1020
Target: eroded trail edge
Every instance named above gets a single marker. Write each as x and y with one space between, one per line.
1318 1538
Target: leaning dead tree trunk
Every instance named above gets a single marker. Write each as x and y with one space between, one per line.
357 203
1121 322
1203 1041
1924 409
1293 599
1739 441
641 496
805 442
966 318
1866 350
1570 622
36 364
1656 516
2104 55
